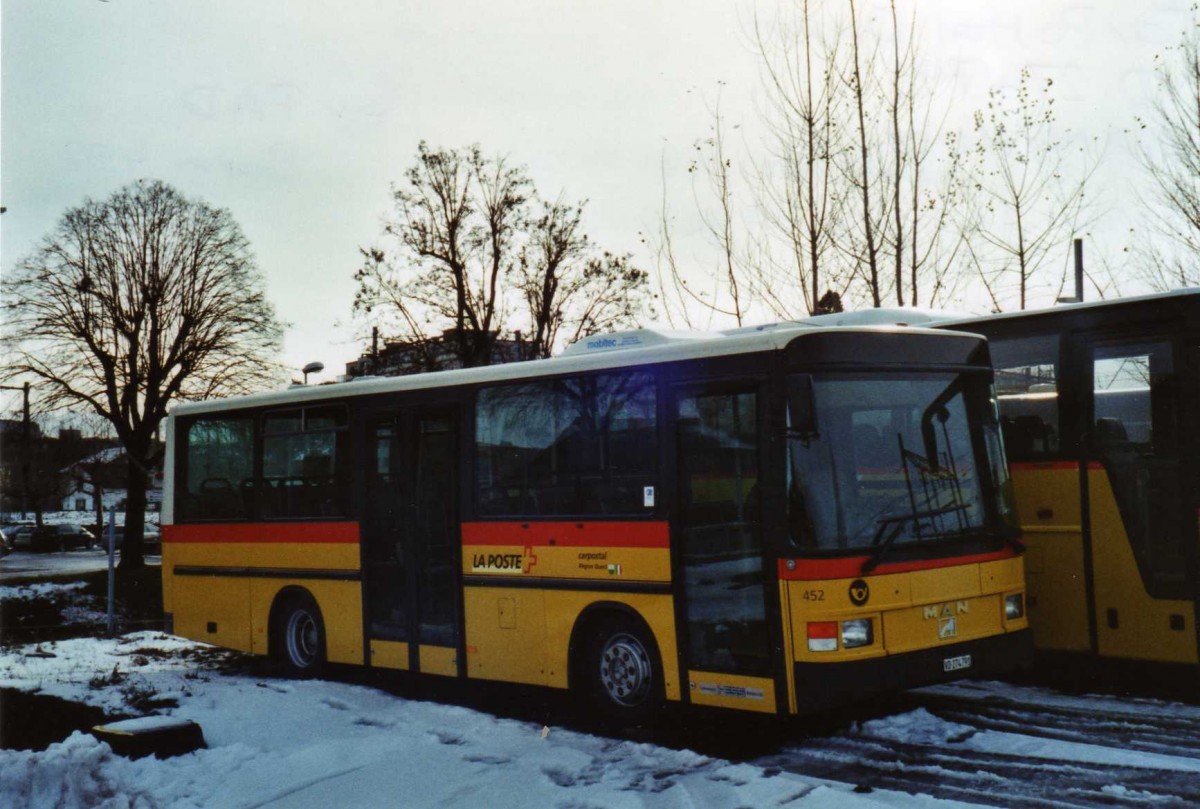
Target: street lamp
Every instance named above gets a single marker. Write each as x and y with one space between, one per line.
312 368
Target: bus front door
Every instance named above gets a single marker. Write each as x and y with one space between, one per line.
725 636
410 538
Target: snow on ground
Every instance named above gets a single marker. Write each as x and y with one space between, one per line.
39 590
27 566
996 692
276 744
922 727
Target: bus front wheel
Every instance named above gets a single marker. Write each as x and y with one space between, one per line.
623 673
300 636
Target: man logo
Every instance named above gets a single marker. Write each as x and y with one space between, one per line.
859 592
946 610
947 628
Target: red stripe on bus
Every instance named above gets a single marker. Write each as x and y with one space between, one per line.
1034 466
569 534
851 567
302 532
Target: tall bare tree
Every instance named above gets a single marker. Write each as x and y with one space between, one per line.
1170 158
734 279
857 126
1032 187
859 178
473 250
863 169
134 302
570 289
899 232
799 54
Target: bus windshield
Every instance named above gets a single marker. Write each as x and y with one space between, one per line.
879 460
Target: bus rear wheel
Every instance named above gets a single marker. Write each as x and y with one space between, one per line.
300 637
623 675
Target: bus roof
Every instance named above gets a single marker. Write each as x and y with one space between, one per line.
599 352
954 321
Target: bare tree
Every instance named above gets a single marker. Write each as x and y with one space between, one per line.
798 57
456 219
899 232
132 303
570 290
863 170
1171 161
856 185
470 258
734 282
926 243
1032 193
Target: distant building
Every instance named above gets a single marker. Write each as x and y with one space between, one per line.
403 357
11 429
106 468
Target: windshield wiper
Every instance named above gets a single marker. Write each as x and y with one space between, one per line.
884 538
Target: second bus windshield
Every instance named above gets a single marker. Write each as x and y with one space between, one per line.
892 460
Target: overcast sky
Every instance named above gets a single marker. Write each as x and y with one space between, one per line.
298 115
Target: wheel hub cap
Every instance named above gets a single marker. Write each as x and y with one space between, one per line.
302 639
625 670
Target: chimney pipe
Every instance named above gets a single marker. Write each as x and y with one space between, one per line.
1079 270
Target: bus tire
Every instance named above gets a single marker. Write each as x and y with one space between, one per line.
299 636
622 673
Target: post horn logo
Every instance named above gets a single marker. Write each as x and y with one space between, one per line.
860 593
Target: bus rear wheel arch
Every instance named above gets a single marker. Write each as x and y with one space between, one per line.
297 640
616 667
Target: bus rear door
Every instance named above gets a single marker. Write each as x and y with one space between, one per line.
410 535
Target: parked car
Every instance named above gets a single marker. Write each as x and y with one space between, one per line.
56 537
151 538
9 532
20 535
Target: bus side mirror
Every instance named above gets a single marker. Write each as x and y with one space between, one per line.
802 406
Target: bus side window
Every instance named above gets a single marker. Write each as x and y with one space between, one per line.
582 445
219 460
1027 389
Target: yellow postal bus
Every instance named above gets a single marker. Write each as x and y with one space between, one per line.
1100 406
777 519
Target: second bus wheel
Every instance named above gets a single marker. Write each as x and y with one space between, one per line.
300 636
623 673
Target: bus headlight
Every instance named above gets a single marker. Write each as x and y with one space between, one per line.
858 632
1014 606
822 636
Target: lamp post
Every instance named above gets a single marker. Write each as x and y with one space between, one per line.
312 368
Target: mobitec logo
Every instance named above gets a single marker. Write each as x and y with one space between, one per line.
602 342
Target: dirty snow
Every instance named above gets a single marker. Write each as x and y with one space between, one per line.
922 727
39 590
308 744
278 744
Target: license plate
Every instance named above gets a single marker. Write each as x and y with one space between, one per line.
956 663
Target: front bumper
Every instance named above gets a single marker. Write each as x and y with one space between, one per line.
820 686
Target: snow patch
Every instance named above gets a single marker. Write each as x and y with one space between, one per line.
917 727
39 591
